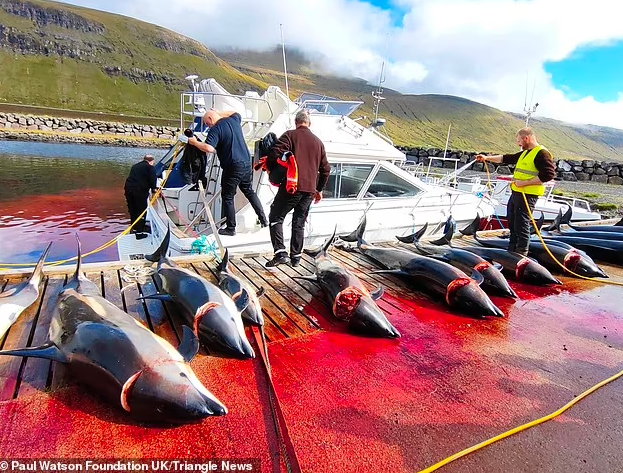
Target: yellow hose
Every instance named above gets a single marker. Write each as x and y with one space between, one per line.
538 232
528 425
180 147
571 403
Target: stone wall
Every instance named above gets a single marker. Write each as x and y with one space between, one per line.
566 170
42 128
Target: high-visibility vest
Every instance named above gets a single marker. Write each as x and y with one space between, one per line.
526 170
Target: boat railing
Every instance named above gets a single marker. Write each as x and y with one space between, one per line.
253 109
571 201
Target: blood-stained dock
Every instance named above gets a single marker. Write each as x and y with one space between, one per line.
351 403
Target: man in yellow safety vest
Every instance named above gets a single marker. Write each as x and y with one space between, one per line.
533 167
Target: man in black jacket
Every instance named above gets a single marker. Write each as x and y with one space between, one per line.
313 174
226 139
141 179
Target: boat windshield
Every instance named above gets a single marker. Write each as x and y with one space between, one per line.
317 103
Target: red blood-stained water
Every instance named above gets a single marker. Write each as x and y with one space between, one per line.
50 192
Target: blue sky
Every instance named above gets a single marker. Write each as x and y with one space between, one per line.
596 71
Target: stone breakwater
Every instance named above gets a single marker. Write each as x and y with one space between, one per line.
75 130
602 172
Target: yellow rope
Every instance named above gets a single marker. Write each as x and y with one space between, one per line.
538 232
522 427
180 147
528 425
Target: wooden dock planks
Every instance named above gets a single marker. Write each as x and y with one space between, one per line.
291 307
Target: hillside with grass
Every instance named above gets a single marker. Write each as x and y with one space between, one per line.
57 55
423 120
63 56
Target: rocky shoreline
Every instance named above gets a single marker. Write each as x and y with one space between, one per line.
72 130
601 172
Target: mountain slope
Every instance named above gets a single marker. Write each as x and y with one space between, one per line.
60 55
423 120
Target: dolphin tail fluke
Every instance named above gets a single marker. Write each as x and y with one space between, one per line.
537 224
415 237
49 351
357 234
323 249
35 277
472 228
223 266
161 252
556 223
446 239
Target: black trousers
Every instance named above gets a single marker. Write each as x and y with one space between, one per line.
519 221
284 203
238 176
137 203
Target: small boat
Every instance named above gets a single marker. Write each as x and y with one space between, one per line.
366 179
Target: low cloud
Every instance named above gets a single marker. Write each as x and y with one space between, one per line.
478 49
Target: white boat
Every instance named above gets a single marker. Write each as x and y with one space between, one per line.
366 178
499 191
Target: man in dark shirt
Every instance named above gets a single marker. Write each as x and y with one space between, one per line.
533 167
225 138
141 179
313 174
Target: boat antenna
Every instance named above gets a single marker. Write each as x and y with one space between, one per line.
285 71
529 109
378 93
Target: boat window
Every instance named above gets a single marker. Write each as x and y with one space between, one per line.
329 190
351 179
388 184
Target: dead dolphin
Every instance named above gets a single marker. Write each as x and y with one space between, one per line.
120 359
570 259
17 299
464 260
526 270
349 298
213 315
232 285
596 234
566 219
460 291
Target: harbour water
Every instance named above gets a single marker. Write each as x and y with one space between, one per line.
51 192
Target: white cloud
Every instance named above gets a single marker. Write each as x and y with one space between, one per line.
478 49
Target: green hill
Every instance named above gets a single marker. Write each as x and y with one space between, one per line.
61 56
58 55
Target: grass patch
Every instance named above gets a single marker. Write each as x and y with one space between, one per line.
559 192
605 206
591 195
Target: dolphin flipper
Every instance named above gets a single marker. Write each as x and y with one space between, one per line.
260 292
378 293
11 291
242 301
497 266
189 346
313 278
159 297
395 272
49 351
479 278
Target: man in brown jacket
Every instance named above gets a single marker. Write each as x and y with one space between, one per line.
313 174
